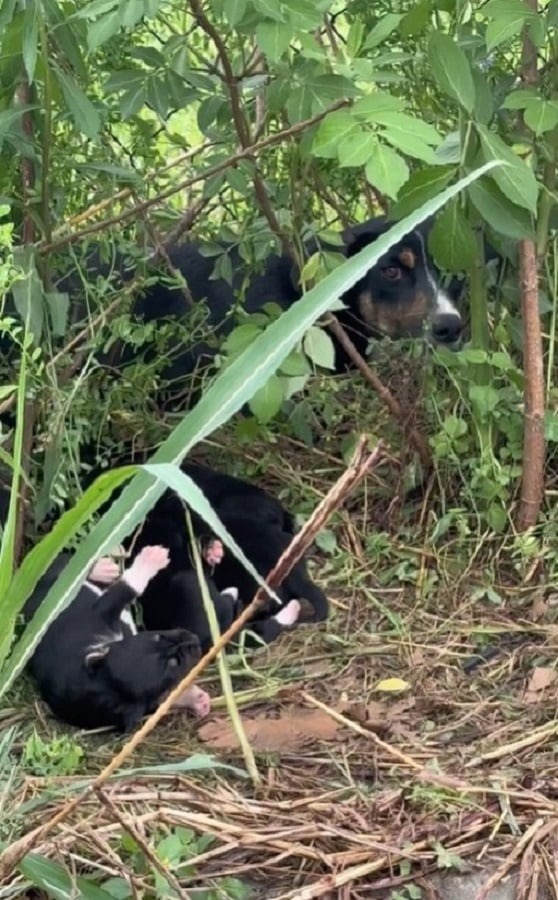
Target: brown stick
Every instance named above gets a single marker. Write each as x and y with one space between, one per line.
532 481
359 467
383 392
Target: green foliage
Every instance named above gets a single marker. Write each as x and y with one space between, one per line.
59 756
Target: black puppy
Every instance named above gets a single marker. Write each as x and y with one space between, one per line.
93 669
261 527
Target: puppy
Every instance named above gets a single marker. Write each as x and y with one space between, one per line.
174 600
93 669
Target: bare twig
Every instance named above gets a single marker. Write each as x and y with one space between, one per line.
383 392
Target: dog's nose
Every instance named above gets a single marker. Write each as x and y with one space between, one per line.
447 328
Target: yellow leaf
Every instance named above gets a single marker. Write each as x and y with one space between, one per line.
392 684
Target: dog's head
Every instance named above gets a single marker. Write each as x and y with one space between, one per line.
145 666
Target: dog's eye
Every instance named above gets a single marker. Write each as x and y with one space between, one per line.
173 662
392 272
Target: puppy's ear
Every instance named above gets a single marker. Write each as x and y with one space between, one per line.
95 656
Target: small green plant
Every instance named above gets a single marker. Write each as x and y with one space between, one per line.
59 756
174 850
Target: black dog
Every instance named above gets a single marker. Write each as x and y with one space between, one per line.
261 527
398 297
93 669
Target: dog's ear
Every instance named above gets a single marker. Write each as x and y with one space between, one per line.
95 656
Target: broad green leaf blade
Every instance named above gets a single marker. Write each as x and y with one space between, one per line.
30 39
452 240
386 170
516 180
500 213
57 882
451 69
225 396
81 109
266 403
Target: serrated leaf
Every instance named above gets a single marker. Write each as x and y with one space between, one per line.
273 39
390 685
386 170
319 346
266 403
356 148
157 95
500 213
451 69
295 365
421 186
515 179
132 101
240 338
452 240
81 109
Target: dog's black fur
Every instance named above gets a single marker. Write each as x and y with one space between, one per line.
93 670
261 527
398 297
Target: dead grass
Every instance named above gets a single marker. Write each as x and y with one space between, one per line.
449 769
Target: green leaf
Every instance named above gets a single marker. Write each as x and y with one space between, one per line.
355 149
421 186
452 240
132 101
500 213
416 20
58 307
234 11
399 121
484 399
241 338
28 292
266 403
516 180
384 27
81 109
451 69
226 394
57 882
294 366
368 107
157 95
336 126
103 29
508 18
386 170
30 39
520 99
318 345
273 39
408 144
541 115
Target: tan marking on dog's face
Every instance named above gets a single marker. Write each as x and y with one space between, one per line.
396 320
407 258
